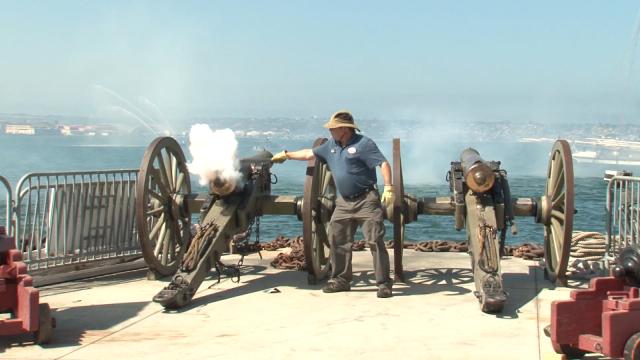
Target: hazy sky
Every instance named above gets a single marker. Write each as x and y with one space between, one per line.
476 60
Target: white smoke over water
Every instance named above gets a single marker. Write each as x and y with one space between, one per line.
214 153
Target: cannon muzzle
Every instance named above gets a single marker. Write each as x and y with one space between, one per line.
221 186
477 173
257 165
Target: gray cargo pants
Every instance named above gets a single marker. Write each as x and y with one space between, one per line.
367 211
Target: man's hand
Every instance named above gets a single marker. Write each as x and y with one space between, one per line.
388 198
280 157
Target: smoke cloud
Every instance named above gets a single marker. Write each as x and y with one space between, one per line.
214 153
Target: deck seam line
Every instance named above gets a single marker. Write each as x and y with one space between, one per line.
108 335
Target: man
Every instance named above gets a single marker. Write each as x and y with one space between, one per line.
352 159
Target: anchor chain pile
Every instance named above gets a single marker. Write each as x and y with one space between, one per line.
526 251
437 246
586 248
294 260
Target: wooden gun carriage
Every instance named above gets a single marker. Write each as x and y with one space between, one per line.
165 203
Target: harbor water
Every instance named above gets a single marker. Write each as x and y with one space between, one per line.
424 168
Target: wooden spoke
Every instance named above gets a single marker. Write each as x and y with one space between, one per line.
162 170
558 230
157 227
154 212
161 240
558 215
170 171
158 184
559 186
180 182
165 245
559 201
553 251
174 174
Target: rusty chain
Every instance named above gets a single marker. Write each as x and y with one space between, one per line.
489 258
294 260
203 236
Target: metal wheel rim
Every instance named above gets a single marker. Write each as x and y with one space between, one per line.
398 212
559 190
163 229
317 207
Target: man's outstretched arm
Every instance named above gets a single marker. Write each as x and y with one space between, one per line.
282 156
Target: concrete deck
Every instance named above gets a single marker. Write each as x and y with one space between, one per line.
433 316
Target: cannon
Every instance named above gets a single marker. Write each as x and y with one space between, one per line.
481 203
19 299
165 203
227 212
605 318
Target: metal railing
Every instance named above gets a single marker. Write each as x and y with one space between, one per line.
623 214
8 205
64 218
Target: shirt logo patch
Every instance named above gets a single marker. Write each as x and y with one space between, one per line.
351 150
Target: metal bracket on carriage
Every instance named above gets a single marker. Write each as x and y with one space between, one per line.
493 296
230 270
240 243
178 288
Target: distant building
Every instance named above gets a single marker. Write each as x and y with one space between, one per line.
31 129
88 130
67 130
20 129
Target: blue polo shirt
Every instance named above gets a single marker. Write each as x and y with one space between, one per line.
354 166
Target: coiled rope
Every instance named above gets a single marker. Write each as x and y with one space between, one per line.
588 245
588 249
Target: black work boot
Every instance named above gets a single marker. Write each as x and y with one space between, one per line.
336 286
384 291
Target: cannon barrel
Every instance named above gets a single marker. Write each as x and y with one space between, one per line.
477 173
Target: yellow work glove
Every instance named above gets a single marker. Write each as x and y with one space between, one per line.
388 198
280 157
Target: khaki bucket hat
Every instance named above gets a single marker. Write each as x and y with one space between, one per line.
342 118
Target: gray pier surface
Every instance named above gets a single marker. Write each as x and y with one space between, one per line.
433 316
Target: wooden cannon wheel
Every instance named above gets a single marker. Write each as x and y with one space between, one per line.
46 323
317 207
556 210
162 218
398 219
